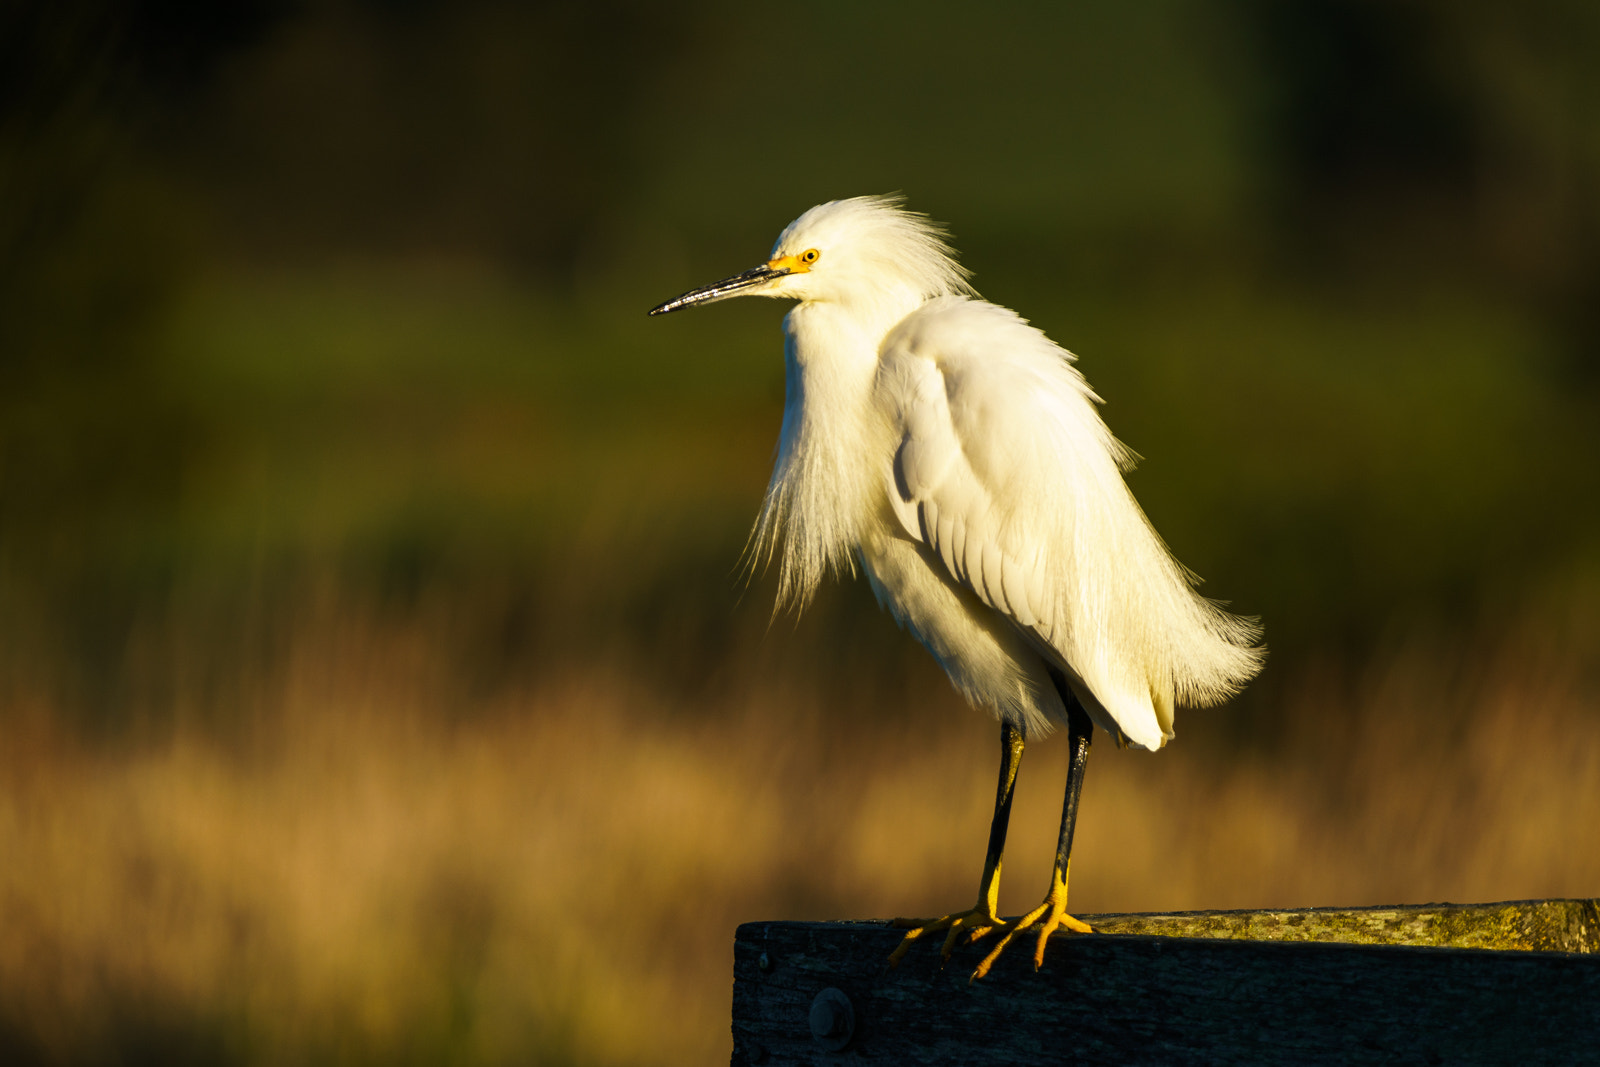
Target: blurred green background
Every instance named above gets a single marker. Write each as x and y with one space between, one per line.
350 295
363 283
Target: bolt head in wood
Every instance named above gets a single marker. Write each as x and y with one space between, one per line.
833 1019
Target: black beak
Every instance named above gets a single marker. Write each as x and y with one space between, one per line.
721 290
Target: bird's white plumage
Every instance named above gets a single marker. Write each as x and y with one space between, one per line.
956 454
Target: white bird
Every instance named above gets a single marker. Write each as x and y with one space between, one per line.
955 455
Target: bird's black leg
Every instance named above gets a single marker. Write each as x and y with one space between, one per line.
1080 733
1011 744
983 918
1052 914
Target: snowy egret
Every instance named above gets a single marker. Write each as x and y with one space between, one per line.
955 455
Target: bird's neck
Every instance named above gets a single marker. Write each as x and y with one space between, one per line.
833 454
868 313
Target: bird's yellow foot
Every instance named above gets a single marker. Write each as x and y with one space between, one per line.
1048 917
977 922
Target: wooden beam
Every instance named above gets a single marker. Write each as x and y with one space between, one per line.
1355 985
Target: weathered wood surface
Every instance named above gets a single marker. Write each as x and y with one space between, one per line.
1529 925
1366 985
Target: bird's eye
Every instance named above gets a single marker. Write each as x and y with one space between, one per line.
810 255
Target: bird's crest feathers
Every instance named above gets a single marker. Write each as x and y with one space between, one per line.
873 240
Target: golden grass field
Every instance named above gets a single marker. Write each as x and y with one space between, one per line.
351 871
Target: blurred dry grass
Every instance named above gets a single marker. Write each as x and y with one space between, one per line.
355 871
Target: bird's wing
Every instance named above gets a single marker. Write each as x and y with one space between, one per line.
1005 470
944 494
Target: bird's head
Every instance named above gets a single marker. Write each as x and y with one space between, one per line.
862 248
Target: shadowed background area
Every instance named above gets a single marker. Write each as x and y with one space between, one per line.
376 683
